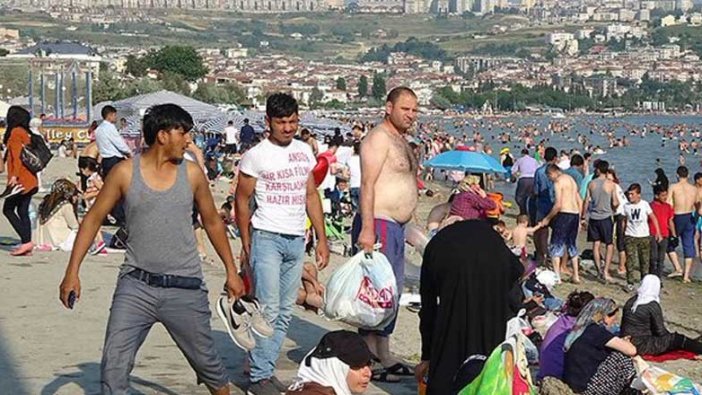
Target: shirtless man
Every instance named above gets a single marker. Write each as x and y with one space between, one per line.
388 201
683 197
306 137
436 216
90 154
566 220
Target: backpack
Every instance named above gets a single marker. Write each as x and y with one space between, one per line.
36 155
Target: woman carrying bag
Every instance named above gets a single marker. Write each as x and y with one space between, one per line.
16 207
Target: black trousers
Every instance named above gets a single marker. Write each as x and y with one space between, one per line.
681 342
525 188
117 211
658 252
16 209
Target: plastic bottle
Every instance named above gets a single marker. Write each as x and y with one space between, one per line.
33 215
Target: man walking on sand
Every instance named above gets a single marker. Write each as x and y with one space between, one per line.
543 192
565 222
388 200
277 172
161 278
113 149
601 201
683 198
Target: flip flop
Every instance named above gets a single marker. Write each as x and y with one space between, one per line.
414 307
399 369
384 376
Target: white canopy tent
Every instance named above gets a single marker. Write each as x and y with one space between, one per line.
133 108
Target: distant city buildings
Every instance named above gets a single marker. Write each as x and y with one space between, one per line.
548 10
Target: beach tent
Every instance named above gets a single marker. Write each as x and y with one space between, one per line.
133 108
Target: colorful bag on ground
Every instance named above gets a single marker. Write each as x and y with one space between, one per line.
658 381
362 292
506 371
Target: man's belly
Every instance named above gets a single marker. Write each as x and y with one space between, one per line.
395 202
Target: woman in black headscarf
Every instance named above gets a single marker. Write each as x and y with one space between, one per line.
661 179
468 267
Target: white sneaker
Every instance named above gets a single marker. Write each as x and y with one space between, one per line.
237 322
259 323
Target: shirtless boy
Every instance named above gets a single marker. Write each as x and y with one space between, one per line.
520 233
683 197
565 215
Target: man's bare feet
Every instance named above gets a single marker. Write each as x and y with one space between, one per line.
675 274
314 300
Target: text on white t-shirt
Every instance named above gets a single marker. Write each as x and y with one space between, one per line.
637 219
281 185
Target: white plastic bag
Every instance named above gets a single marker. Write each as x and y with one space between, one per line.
519 325
362 292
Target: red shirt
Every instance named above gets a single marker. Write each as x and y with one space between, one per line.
663 212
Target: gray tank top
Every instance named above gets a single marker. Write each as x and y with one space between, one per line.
600 201
160 227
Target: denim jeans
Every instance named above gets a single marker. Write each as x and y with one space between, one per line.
276 261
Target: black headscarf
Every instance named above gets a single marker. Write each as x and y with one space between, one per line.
661 179
16 117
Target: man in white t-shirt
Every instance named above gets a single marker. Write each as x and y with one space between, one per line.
278 174
637 234
231 137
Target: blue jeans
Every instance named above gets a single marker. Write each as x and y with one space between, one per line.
355 198
276 261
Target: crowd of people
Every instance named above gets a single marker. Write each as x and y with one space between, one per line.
294 194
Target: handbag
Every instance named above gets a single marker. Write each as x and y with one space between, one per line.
119 239
36 155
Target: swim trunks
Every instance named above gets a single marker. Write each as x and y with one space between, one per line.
685 227
600 230
564 235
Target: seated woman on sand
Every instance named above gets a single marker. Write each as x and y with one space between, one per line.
551 355
472 202
339 365
643 321
58 222
597 361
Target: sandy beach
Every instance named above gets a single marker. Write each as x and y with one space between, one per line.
46 349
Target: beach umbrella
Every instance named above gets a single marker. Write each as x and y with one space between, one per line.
476 162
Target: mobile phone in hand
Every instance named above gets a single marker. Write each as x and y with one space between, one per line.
71 299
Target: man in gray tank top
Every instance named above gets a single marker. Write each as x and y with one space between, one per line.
601 202
161 278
